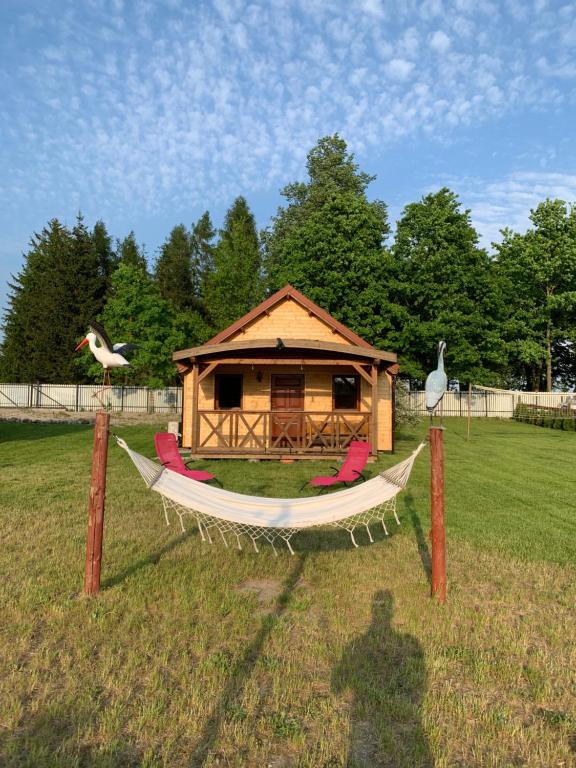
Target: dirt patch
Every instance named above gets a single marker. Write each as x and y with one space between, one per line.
265 590
60 416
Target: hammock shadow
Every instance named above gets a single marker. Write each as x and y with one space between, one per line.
151 559
421 542
386 672
243 669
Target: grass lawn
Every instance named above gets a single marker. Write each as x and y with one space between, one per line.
194 655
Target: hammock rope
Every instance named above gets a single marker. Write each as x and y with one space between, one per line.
272 519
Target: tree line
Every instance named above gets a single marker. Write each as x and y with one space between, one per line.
508 317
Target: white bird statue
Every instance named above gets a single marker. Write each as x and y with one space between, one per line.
108 355
436 383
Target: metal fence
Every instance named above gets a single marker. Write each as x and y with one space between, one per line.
496 405
81 397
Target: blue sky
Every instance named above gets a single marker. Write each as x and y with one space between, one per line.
145 113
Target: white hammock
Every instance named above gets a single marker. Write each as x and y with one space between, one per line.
271 518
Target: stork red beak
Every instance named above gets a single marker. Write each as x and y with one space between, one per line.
84 341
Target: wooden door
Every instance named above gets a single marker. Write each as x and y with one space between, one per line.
287 397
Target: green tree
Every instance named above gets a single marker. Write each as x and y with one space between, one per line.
235 285
203 234
173 269
107 259
537 275
130 253
329 242
137 313
445 287
59 290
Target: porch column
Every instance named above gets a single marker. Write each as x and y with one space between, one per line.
195 424
374 416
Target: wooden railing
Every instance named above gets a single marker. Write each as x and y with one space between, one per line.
280 431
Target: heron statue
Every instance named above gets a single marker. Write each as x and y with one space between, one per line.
436 384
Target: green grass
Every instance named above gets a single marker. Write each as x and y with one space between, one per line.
195 655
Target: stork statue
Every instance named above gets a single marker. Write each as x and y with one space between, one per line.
108 355
436 383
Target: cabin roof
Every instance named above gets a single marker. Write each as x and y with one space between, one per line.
284 293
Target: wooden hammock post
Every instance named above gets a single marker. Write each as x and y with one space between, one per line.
438 533
96 505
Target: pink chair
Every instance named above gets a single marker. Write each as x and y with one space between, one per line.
351 469
169 455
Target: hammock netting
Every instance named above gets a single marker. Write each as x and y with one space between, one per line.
270 519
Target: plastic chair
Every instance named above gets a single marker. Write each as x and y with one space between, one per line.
169 455
350 471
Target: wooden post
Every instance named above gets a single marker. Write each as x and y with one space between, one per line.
374 414
469 409
96 505
195 393
438 534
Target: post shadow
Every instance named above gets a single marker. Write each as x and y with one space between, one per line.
242 670
421 542
387 674
150 559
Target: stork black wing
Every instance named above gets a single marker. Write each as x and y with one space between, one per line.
124 349
102 335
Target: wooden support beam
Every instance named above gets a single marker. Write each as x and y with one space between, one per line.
195 423
95 534
207 371
365 375
260 361
374 419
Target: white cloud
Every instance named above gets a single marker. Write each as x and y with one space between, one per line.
439 41
399 69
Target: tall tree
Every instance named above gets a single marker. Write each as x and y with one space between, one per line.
59 290
203 234
173 269
136 312
107 259
446 290
235 284
537 273
130 253
329 242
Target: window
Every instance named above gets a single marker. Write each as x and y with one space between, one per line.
228 392
346 393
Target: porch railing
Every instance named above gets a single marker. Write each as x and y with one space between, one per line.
280 431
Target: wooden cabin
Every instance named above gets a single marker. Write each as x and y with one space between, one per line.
287 378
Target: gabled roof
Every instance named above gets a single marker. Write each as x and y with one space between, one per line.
289 292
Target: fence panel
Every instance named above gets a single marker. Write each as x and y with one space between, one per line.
496 405
82 397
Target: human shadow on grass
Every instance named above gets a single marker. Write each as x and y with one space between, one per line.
386 672
231 696
151 559
421 542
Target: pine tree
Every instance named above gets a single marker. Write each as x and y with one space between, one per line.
130 253
203 234
173 269
328 242
235 285
59 290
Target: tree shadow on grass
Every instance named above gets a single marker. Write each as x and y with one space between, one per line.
12 431
421 542
387 674
231 695
54 736
151 559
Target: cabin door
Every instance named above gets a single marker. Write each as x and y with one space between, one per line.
287 405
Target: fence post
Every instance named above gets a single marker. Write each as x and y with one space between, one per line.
486 403
122 397
77 406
